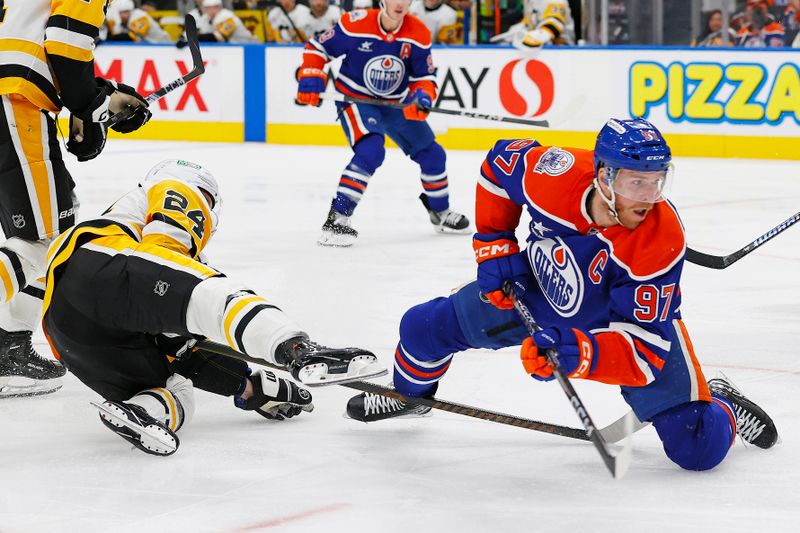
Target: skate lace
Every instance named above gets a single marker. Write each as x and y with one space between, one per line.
377 404
449 218
748 426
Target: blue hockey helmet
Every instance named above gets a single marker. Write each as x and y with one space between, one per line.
635 144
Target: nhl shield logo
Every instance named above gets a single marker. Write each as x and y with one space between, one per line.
161 288
18 220
384 74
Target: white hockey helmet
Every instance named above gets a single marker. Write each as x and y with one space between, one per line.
123 5
193 175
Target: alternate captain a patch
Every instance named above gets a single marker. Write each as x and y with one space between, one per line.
554 162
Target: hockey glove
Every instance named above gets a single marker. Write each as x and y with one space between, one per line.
419 105
576 351
310 82
499 261
275 398
124 98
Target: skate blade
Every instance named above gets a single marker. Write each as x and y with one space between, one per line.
153 438
22 387
449 231
336 241
360 368
406 416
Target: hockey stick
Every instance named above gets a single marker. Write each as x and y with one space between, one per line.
197 69
612 431
336 97
616 464
724 261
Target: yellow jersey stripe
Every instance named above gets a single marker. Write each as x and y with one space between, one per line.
68 51
233 312
26 47
89 12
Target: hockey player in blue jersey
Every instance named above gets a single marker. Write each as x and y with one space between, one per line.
601 274
386 56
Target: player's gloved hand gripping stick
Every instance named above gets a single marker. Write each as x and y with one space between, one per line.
616 464
197 69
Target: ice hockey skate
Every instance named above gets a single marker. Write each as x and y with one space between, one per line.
132 423
753 424
315 365
23 372
336 230
368 407
447 221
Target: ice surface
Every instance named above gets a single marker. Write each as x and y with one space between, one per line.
60 470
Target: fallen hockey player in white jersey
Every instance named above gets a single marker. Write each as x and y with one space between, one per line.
127 298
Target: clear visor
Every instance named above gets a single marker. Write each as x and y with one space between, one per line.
640 186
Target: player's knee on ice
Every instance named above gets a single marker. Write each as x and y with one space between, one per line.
430 331
696 435
369 153
431 159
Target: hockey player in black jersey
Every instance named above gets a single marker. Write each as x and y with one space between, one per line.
47 65
127 297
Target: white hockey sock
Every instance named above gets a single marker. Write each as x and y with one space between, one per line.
226 312
173 405
21 262
24 311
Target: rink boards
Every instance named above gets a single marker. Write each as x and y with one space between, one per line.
709 103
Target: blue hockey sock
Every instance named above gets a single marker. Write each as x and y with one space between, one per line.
429 335
432 161
369 153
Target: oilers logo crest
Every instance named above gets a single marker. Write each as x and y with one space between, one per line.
384 74
557 273
554 162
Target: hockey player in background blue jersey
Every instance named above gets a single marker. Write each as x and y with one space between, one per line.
387 56
601 274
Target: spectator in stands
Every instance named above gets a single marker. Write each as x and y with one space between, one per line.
224 25
187 6
126 22
759 28
283 29
545 22
790 20
441 19
713 33
324 16
159 5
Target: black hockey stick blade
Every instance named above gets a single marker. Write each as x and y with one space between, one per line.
723 261
617 464
397 105
197 69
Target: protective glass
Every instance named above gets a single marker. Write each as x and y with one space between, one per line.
640 186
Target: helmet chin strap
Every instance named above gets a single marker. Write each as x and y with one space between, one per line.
610 202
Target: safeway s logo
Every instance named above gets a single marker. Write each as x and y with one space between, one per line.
491 250
520 82
556 271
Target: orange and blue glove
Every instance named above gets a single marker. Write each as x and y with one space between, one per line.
576 349
419 105
310 83
499 261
